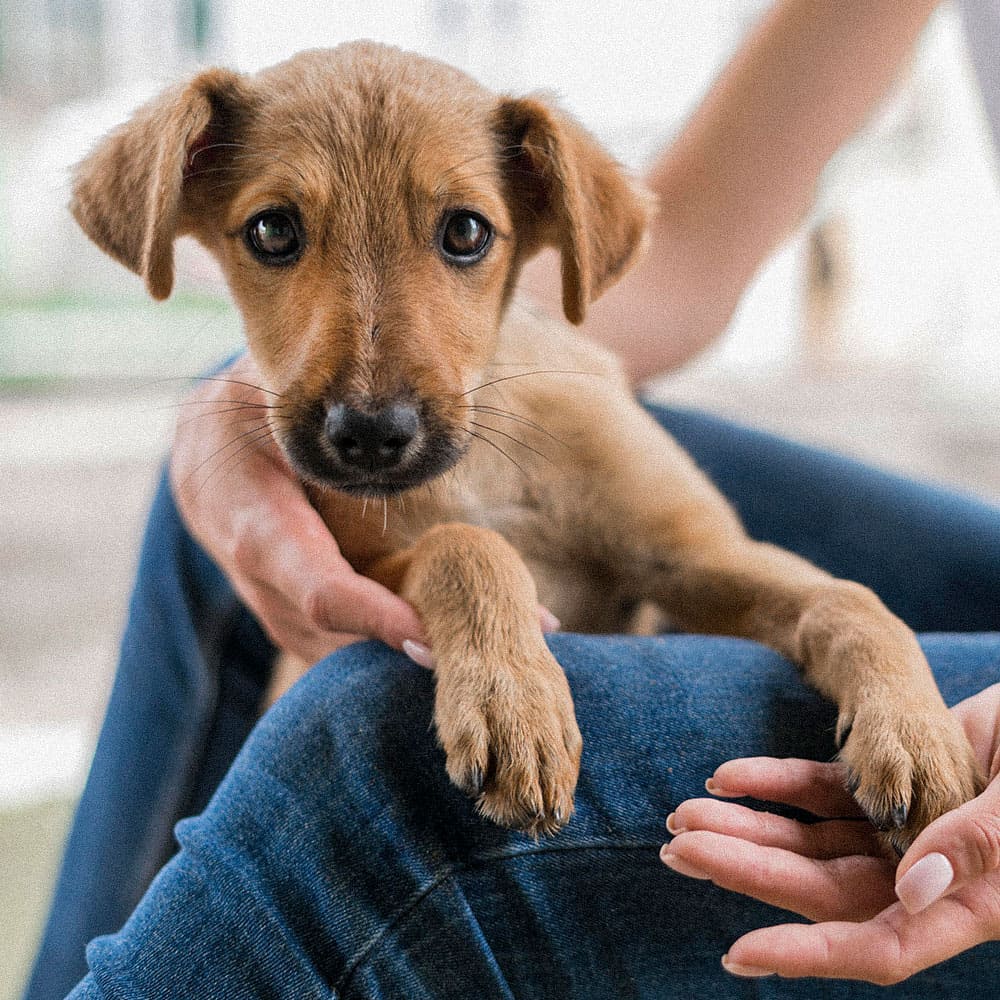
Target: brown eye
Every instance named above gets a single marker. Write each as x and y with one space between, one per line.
273 237
465 237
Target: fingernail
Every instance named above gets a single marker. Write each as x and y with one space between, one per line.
673 826
744 970
419 653
713 788
548 621
925 883
679 866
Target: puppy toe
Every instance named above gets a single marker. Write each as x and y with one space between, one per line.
514 748
514 799
467 753
529 789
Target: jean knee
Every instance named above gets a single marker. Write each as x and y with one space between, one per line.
363 711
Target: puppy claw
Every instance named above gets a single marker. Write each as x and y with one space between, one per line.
473 782
883 814
899 814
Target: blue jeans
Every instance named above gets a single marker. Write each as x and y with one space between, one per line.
335 859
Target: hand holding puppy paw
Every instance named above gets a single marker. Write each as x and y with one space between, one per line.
873 921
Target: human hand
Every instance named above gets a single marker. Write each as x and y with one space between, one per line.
246 507
873 921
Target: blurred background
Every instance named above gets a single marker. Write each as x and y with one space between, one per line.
874 328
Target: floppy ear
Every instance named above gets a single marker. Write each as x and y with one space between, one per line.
128 193
572 196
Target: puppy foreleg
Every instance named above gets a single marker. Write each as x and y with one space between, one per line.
679 544
503 709
909 760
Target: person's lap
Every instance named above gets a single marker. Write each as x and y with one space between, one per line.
337 859
657 716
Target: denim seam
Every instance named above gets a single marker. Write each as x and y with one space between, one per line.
450 871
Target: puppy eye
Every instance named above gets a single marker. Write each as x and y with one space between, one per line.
273 237
465 237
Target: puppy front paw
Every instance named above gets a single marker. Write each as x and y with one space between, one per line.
511 739
906 767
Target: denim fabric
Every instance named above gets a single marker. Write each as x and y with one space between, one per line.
336 860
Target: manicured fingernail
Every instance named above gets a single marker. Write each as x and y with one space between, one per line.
744 970
548 621
673 826
419 653
679 866
925 883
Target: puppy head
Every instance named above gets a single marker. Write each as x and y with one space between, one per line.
371 211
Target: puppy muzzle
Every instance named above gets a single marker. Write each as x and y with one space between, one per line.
369 449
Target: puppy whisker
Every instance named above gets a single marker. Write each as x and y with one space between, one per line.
221 406
493 444
246 403
492 155
219 145
259 427
538 371
253 153
234 381
510 437
215 413
495 411
256 436
217 378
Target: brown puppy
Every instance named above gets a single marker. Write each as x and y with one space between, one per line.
371 210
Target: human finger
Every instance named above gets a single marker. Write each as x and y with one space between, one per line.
342 601
817 787
980 717
822 840
957 849
285 627
885 950
849 888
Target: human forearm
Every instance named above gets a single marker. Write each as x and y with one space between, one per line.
743 170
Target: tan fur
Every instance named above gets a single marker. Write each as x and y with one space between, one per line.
562 489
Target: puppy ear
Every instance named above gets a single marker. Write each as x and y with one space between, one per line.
127 195
572 196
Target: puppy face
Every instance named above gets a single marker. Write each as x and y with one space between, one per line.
371 253
371 210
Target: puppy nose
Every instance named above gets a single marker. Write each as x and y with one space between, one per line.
373 440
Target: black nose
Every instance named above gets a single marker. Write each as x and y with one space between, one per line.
372 441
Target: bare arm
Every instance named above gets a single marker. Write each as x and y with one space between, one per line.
743 171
